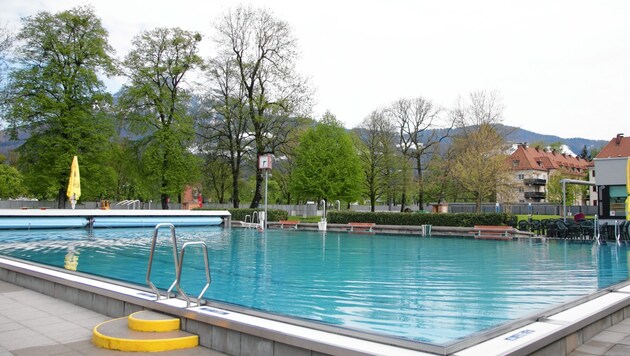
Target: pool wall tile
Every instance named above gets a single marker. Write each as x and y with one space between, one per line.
11 275
115 308
85 299
315 353
556 348
3 274
68 294
132 308
255 346
280 349
37 285
202 329
46 287
617 317
24 281
227 341
573 341
596 327
99 304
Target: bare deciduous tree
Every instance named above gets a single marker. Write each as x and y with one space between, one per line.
264 52
421 128
224 127
376 148
479 150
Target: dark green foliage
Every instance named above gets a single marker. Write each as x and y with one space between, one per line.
326 164
57 97
456 219
239 214
11 182
153 104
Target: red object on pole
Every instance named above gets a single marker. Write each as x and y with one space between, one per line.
200 200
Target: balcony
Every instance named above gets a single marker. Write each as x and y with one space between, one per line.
535 181
535 195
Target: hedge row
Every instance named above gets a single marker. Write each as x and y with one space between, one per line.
274 214
451 219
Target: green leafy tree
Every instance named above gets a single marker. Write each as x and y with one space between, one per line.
217 178
11 182
574 193
154 104
327 165
55 95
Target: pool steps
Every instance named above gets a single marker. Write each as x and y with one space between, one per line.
143 331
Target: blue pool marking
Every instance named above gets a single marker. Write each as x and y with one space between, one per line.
519 334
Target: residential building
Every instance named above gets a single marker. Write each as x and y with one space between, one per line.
533 166
610 175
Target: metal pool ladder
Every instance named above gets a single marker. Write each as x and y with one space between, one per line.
177 262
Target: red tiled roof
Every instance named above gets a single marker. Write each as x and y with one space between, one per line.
529 158
617 147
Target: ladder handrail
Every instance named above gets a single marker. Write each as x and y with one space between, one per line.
175 259
181 264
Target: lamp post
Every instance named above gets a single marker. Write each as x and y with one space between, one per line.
265 162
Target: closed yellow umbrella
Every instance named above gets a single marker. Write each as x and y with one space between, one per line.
74 184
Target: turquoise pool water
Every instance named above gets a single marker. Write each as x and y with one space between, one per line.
435 290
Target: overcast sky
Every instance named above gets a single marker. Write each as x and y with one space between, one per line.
561 67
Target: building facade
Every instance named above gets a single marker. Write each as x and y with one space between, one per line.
609 173
533 167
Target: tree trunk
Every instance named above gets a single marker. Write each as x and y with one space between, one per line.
164 200
61 199
372 202
403 200
235 199
420 186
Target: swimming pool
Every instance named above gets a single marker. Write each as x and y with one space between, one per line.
433 290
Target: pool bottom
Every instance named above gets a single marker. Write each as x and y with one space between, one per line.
225 328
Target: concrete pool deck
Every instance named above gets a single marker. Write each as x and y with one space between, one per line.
32 323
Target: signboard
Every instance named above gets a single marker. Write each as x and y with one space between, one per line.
265 161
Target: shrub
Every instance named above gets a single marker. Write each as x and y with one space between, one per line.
239 214
450 219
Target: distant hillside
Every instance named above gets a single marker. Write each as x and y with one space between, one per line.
515 135
575 144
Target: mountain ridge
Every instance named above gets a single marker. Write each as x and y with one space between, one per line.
514 135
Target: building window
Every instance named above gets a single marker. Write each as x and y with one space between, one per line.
617 194
521 176
593 173
515 163
521 189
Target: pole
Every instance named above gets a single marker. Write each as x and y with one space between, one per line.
564 200
266 180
